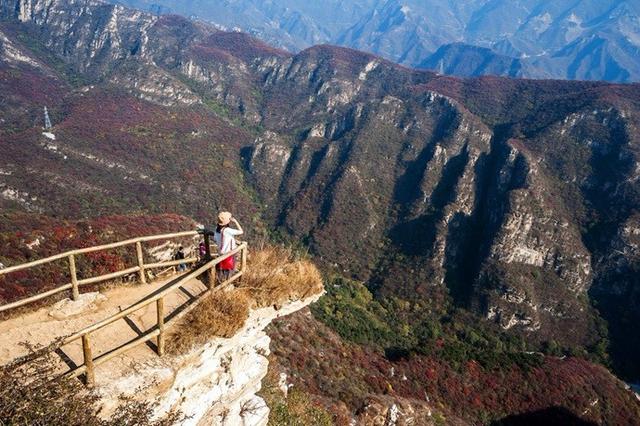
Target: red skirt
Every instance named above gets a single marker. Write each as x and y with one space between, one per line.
228 264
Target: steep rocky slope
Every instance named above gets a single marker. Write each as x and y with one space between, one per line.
215 361
496 191
114 151
513 199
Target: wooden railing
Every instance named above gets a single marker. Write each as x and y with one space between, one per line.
162 324
159 330
75 283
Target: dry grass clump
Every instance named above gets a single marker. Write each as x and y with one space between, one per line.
221 314
276 276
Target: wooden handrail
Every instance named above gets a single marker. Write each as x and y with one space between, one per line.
159 331
170 263
35 298
76 252
191 275
75 283
88 367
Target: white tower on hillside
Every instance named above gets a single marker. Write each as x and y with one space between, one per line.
47 121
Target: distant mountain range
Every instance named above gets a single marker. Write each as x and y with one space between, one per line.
565 39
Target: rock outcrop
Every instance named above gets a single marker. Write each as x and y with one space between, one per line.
215 383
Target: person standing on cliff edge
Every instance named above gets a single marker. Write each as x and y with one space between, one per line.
224 238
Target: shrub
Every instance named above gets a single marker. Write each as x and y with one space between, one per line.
276 275
222 314
350 310
297 408
28 396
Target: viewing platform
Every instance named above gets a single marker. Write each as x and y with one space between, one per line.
128 322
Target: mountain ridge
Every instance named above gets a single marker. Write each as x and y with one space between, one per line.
586 40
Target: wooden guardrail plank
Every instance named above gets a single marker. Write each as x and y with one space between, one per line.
145 337
135 240
168 236
76 252
109 355
110 276
122 349
28 265
35 298
75 283
88 368
170 263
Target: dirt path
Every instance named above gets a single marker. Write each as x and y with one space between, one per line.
40 328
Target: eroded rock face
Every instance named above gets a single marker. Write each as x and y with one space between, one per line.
397 411
268 164
434 196
212 384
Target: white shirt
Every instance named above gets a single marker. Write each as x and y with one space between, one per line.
228 243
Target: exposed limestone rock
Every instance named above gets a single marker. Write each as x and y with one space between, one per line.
396 411
26 200
25 10
13 54
269 160
212 384
318 131
119 34
282 384
160 89
367 69
68 308
338 92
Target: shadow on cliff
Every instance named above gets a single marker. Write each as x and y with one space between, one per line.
470 237
552 416
417 237
613 197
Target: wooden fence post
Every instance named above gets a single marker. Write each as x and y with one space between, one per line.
243 264
160 314
207 247
210 277
75 293
143 277
88 360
